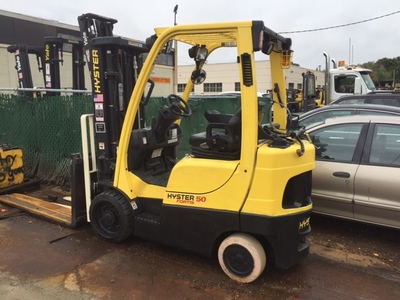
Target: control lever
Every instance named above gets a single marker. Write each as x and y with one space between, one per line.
296 135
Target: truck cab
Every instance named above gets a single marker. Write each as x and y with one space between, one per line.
341 80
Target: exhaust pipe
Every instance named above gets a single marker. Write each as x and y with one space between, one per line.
327 83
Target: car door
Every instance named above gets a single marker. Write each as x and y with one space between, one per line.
337 162
377 187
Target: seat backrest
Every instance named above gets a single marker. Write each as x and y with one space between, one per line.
225 137
236 122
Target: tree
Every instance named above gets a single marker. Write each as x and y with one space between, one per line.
384 69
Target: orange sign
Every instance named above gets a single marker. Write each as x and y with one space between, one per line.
161 80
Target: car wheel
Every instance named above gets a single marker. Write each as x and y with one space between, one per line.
242 257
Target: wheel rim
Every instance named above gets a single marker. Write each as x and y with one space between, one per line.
238 260
106 219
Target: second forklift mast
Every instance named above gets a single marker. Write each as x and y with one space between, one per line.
22 65
53 57
309 91
114 63
48 59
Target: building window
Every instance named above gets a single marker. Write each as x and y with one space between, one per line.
299 86
237 86
182 87
291 86
212 87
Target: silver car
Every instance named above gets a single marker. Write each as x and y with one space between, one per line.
316 116
357 174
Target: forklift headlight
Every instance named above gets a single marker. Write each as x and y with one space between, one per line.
286 59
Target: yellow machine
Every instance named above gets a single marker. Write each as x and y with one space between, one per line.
320 97
243 191
11 166
307 98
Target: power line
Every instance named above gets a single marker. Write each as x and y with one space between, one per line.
338 26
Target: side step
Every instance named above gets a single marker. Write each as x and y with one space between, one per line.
49 210
148 217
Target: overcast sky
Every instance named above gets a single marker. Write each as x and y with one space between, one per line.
359 43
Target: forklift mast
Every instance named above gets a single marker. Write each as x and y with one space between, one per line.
93 26
309 92
78 63
48 60
22 65
114 64
53 56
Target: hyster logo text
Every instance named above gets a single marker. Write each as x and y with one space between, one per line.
181 198
96 71
304 224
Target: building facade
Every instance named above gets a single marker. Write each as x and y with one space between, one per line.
220 78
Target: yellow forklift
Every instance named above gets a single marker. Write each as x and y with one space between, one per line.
307 98
243 191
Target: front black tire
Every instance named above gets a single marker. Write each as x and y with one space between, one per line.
111 216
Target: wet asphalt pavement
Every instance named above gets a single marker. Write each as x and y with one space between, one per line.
42 260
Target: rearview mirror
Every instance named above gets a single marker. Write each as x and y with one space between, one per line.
198 76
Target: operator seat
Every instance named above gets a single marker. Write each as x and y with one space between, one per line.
221 140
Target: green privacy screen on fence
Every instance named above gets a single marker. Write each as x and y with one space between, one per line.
48 129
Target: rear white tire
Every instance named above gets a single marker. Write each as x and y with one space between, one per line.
242 257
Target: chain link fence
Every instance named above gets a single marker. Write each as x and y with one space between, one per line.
47 129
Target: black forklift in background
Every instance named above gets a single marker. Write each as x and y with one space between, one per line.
114 63
309 91
53 57
22 65
49 58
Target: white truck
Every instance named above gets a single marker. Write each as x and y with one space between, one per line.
345 80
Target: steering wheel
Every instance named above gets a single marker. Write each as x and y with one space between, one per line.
178 106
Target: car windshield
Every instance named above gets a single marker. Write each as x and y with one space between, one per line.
319 117
368 81
350 100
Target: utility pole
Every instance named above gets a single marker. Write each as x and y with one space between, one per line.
394 79
175 55
349 51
